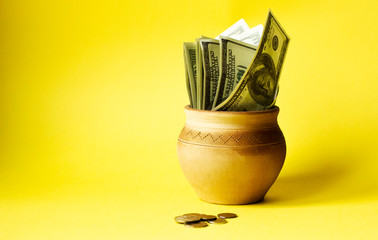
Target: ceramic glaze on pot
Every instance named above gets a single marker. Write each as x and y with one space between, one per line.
231 157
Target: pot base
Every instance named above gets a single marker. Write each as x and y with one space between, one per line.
234 203
231 175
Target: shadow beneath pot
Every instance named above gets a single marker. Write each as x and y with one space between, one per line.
331 180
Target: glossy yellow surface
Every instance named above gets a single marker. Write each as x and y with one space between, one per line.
92 98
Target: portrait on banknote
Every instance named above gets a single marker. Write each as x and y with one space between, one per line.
262 80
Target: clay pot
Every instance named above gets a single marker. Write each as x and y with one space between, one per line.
231 157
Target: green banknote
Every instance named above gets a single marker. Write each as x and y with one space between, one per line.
188 83
235 59
258 88
191 72
210 59
199 82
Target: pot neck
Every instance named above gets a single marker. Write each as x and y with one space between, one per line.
231 120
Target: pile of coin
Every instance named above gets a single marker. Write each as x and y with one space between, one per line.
198 220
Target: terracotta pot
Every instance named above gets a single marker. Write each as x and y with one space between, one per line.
231 157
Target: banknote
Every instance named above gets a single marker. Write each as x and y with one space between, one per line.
235 59
257 89
237 28
251 36
188 83
199 75
191 72
210 59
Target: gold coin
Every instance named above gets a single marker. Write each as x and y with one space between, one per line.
227 215
218 221
206 217
194 214
196 224
187 219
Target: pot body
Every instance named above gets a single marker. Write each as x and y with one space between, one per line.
231 157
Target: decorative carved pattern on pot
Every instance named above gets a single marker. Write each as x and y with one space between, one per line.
267 136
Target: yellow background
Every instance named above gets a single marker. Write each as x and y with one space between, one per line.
92 97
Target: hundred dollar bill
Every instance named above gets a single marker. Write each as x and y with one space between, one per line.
199 69
237 28
200 72
191 72
188 83
258 88
210 60
235 59
251 36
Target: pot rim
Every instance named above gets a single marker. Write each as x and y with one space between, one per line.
203 119
273 109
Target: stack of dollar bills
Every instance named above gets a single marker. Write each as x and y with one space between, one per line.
239 69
